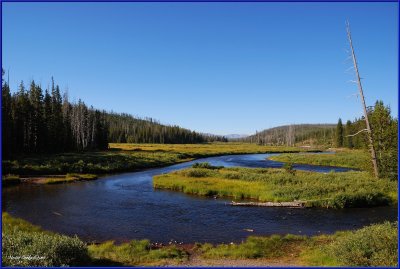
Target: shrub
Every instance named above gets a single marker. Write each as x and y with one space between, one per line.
360 199
206 165
22 248
289 168
374 245
198 172
135 252
254 247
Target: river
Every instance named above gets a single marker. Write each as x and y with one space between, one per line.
125 206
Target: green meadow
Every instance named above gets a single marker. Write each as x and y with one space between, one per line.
357 159
330 190
125 157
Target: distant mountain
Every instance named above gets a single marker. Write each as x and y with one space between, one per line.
236 136
299 134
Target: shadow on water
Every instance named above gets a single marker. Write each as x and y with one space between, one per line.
125 206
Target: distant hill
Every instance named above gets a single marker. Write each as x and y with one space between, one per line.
126 128
296 134
236 136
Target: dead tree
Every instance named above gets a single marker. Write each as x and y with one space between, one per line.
358 81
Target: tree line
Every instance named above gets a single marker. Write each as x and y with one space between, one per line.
37 121
124 128
384 135
45 122
289 135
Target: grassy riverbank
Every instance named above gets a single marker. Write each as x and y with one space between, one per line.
374 245
358 159
25 244
331 190
126 158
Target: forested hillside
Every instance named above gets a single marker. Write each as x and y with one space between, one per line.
124 128
310 134
37 121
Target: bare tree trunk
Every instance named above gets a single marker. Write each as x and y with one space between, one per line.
371 144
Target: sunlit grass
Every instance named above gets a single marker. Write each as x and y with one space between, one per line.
207 149
331 190
127 158
136 252
358 159
71 177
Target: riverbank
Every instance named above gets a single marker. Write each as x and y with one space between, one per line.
374 245
312 189
125 158
11 180
356 159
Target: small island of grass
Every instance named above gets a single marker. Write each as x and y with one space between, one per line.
330 190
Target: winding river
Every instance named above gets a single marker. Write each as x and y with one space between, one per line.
125 206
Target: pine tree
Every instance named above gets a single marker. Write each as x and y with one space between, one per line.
36 123
384 133
349 131
339 134
7 122
47 120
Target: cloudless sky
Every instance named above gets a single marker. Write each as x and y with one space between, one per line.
219 68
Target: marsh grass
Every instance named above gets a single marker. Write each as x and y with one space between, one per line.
88 163
136 252
331 190
24 244
70 177
208 149
254 247
10 180
23 239
374 245
127 158
358 159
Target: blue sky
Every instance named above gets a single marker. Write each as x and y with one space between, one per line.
212 67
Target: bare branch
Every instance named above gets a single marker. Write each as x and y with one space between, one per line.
363 130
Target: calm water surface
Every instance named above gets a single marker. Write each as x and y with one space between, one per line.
125 206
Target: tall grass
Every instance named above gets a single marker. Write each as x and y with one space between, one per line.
136 252
127 158
374 245
24 244
358 159
331 190
208 149
254 247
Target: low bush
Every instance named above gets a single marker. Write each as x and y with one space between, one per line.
23 248
374 245
254 247
206 165
135 252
